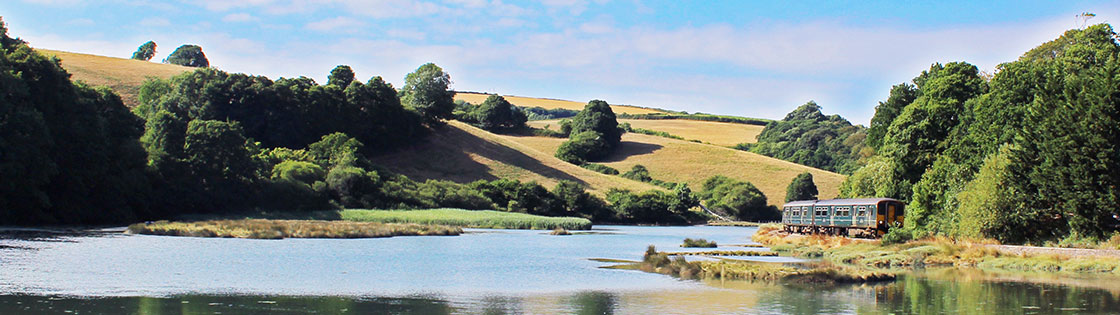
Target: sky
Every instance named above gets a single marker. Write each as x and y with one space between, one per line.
746 58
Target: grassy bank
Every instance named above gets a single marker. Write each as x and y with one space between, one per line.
278 229
485 219
932 252
678 266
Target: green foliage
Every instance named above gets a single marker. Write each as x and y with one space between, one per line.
652 206
498 114
598 117
576 201
885 113
341 75
802 188
304 172
600 168
336 149
68 153
897 235
467 218
540 113
741 200
805 136
988 206
583 147
638 173
703 243
145 51
698 116
594 133
427 91
188 56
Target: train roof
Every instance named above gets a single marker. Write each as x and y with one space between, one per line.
838 202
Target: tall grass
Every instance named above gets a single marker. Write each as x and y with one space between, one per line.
277 229
678 266
699 242
486 219
927 252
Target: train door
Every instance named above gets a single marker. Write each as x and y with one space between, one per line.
881 218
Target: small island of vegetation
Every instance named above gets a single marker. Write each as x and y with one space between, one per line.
278 229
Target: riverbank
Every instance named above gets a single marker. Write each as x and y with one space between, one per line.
278 229
483 219
675 264
931 252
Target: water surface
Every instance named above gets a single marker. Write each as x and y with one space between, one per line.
483 271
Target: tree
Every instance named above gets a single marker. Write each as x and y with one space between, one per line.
808 137
341 76
145 51
597 116
638 173
427 91
738 198
582 147
802 188
495 113
885 113
188 55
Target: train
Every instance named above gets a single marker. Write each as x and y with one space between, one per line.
866 217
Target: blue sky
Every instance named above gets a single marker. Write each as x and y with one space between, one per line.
749 58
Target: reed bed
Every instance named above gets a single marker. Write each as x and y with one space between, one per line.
485 219
928 252
278 229
725 253
678 266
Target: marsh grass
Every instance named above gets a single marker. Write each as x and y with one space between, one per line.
486 219
724 269
699 242
559 231
725 253
278 229
927 252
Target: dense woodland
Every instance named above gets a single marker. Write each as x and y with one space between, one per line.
807 137
1027 155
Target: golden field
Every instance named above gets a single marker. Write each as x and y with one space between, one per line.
478 98
122 75
462 153
682 161
717 133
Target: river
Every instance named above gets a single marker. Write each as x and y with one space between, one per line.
481 271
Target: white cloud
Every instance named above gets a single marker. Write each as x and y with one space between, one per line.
335 23
239 17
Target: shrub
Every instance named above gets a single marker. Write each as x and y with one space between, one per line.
638 173
582 147
897 235
600 168
703 243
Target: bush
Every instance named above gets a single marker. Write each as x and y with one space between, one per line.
299 171
600 168
703 243
582 147
897 235
740 199
638 173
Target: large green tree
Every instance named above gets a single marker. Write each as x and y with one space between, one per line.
188 55
427 91
341 75
801 188
145 52
808 137
495 113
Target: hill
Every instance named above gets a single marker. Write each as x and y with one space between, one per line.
122 75
683 161
717 133
462 153
478 98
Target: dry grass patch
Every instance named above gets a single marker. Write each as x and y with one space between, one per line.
547 103
122 75
717 133
462 153
278 229
682 161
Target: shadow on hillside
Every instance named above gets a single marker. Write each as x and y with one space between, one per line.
447 154
627 149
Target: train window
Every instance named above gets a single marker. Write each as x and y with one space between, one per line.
821 211
862 210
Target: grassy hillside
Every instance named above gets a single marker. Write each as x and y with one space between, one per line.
477 98
122 75
462 153
717 133
682 161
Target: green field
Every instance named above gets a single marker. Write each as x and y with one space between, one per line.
486 219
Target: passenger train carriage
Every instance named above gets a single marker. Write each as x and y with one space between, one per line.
868 217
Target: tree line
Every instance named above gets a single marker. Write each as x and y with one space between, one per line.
1029 154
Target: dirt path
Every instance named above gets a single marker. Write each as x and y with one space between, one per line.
1070 252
